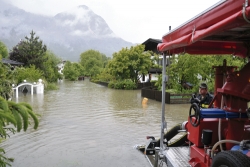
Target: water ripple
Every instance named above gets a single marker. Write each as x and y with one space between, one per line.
85 124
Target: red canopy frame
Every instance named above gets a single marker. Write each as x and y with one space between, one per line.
222 29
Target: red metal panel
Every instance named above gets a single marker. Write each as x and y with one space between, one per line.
236 90
194 135
198 157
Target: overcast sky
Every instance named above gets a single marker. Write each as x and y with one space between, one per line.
132 20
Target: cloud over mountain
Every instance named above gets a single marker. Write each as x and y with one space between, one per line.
67 34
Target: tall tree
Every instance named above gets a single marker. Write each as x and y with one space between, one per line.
93 62
5 80
49 67
71 71
30 51
194 68
3 50
129 63
184 68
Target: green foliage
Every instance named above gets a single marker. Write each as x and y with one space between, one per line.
187 68
71 71
127 84
158 83
49 68
129 63
156 59
30 51
5 80
3 50
104 76
4 161
79 68
29 74
21 113
172 91
123 70
92 62
51 86
184 68
17 114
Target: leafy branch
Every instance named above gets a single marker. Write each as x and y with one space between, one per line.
17 114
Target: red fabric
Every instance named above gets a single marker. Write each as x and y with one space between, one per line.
206 47
189 37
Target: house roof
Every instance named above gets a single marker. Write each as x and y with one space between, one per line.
221 29
151 44
12 62
155 70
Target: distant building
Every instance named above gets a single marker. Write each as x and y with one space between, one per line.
151 44
153 73
11 62
60 66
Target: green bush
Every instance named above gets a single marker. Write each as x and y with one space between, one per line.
95 80
51 86
111 84
122 84
30 74
171 91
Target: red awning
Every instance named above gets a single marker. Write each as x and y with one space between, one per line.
221 29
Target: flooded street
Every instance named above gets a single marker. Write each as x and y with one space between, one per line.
88 125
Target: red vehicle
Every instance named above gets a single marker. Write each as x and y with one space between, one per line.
218 136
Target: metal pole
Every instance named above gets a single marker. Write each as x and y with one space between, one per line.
31 89
163 123
17 92
156 156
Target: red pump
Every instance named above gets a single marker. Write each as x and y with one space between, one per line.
233 126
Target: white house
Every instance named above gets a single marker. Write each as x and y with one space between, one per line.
153 73
60 67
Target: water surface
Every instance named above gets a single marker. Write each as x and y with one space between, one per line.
88 125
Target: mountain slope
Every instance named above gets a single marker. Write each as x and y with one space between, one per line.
67 34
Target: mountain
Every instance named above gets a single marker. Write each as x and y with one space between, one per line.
67 34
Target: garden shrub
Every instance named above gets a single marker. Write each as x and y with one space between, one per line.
122 84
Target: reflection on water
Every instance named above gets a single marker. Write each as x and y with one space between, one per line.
85 124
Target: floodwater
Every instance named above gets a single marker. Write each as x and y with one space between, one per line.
88 125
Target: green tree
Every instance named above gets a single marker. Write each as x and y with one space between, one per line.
49 68
29 74
92 62
105 60
71 71
129 63
17 114
192 68
79 68
184 68
5 80
104 76
3 50
30 51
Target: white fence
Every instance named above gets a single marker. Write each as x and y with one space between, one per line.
26 87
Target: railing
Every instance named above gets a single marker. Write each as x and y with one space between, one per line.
39 87
169 98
